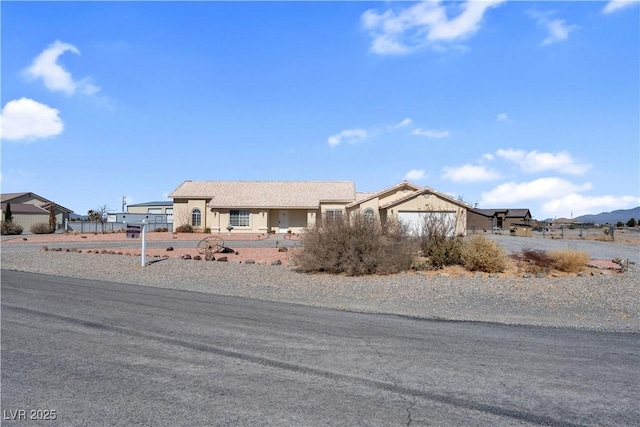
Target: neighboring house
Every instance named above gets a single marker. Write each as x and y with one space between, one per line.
282 206
164 207
28 209
486 220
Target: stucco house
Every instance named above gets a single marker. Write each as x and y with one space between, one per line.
486 220
282 206
28 209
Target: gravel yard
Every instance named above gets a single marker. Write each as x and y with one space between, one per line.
604 301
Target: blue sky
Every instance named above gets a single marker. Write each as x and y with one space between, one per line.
504 104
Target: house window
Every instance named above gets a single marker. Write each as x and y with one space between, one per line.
239 218
369 215
332 214
196 218
154 210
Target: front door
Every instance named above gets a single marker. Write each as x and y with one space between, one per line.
283 221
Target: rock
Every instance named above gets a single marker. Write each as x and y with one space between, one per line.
443 275
581 274
262 262
249 261
187 256
526 276
541 275
197 258
170 248
283 249
494 275
223 259
44 248
24 239
276 262
477 276
209 257
102 252
74 249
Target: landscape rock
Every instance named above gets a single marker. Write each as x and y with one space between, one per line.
276 262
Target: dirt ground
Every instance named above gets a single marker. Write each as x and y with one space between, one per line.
268 255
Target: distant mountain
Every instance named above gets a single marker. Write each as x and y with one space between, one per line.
623 215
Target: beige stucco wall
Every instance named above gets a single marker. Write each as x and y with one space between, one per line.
182 209
145 209
432 203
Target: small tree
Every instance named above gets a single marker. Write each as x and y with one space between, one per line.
631 222
99 215
8 216
619 224
52 217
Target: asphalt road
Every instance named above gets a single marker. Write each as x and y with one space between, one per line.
100 353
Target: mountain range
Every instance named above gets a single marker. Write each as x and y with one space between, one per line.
613 217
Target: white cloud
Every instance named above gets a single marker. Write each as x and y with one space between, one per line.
544 188
26 119
615 5
502 117
431 133
534 161
557 29
574 204
403 31
54 76
351 136
415 175
469 173
487 157
405 122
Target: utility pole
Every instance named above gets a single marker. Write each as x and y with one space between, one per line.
124 203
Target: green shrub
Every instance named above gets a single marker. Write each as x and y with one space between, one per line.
354 245
42 228
9 228
207 230
186 228
482 254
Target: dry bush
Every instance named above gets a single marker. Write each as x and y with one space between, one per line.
185 228
9 228
482 254
533 260
41 228
354 245
569 261
435 237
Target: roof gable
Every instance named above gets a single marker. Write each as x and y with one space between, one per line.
426 190
398 187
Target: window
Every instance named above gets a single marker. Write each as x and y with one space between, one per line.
154 210
239 218
369 215
196 218
331 214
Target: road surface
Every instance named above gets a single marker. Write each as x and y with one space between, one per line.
98 353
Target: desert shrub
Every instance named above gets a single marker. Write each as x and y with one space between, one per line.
185 228
533 260
436 241
354 245
41 228
482 254
207 230
161 230
569 261
9 228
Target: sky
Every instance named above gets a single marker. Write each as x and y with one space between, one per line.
501 104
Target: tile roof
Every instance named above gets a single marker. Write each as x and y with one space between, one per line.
267 194
509 213
19 208
8 197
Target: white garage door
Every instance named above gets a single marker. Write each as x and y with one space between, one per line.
415 220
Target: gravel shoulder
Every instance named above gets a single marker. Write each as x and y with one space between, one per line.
602 302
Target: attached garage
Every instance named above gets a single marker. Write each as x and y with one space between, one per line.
415 220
